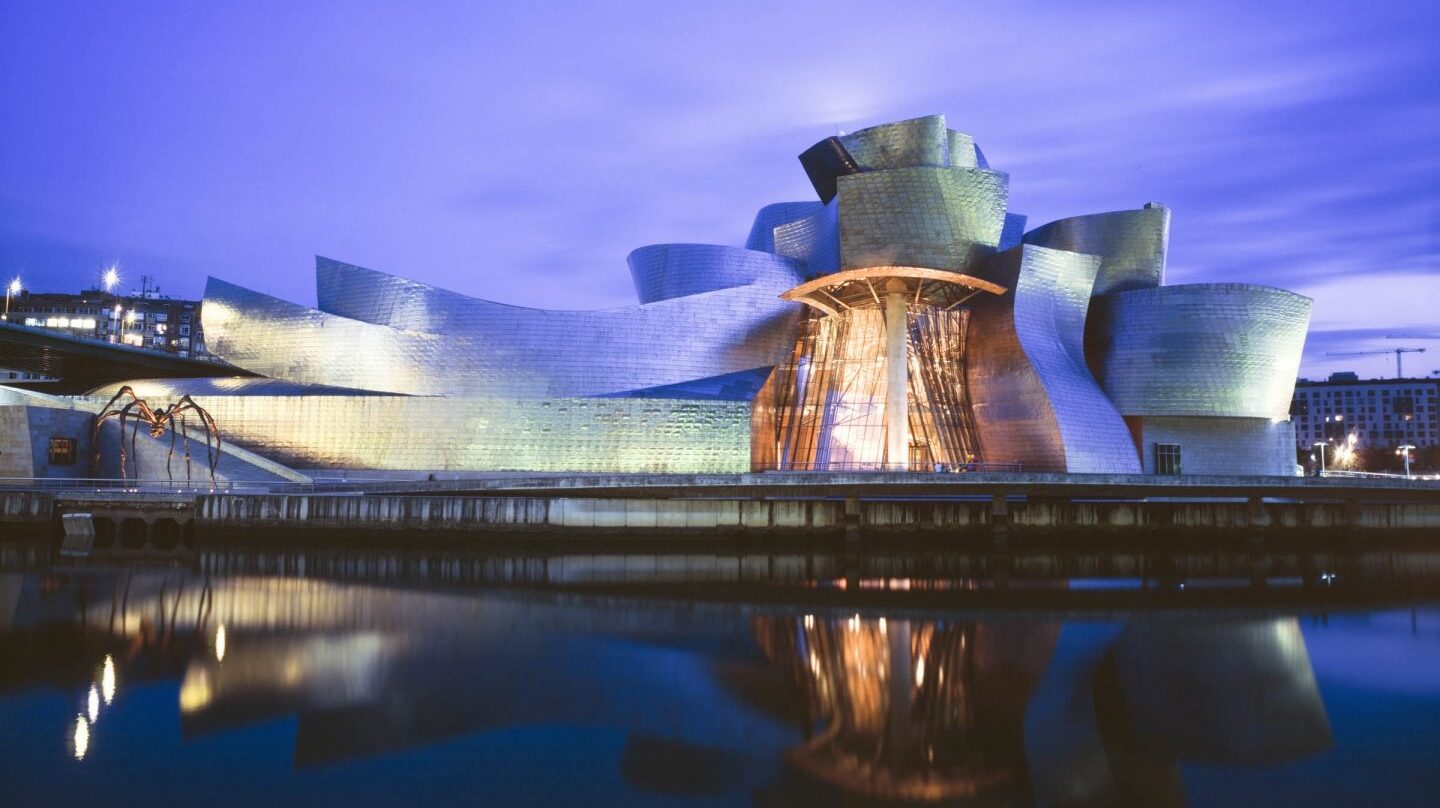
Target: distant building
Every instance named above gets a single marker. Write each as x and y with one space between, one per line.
144 320
1380 413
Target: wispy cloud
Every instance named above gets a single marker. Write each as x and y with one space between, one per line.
521 152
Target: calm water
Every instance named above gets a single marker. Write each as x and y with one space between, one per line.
342 679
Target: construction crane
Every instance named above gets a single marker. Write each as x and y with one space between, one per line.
1399 368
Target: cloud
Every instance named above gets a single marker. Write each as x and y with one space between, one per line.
521 153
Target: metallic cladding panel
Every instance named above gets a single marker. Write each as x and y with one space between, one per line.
1222 445
943 218
962 150
916 142
1033 397
1013 232
1223 349
488 434
666 271
1131 244
762 232
428 341
823 163
814 241
223 386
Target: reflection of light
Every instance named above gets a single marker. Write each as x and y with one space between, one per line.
920 671
809 621
814 663
220 644
107 679
82 737
195 692
92 704
882 625
854 623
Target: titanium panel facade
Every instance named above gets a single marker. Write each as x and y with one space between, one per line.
459 433
1034 399
962 151
814 241
824 163
666 271
762 232
943 218
389 334
903 144
1131 243
1224 349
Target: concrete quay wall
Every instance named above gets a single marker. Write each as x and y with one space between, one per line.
701 516
26 506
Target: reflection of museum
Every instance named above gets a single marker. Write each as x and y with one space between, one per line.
905 319
789 708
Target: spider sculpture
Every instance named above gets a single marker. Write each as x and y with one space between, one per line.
157 421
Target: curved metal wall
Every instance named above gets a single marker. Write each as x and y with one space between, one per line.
1033 398
916 142
389 334
463 433
666 271
814 241
1130 243
1223 349
944 218
962 151
762 232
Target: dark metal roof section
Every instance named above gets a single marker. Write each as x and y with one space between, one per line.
824 163
79 365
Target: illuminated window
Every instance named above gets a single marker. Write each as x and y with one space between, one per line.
1167 458
63 451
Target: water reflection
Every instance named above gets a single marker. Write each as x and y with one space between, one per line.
763 705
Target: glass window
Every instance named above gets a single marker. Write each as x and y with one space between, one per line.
63 451
1167 458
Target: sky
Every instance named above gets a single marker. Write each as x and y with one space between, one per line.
518 152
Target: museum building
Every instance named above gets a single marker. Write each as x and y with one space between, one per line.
904 319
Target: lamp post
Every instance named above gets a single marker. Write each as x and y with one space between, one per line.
1404 451
1320 447
10 291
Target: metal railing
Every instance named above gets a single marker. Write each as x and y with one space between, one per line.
1377 475
931 468
106 485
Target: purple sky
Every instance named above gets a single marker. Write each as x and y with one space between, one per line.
519 151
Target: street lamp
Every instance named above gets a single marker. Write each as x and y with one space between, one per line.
111 278
1404 451
11 291
1320 447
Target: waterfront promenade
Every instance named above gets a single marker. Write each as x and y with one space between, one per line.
817 505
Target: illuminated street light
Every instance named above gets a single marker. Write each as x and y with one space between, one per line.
111 278
1404 451
10 291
